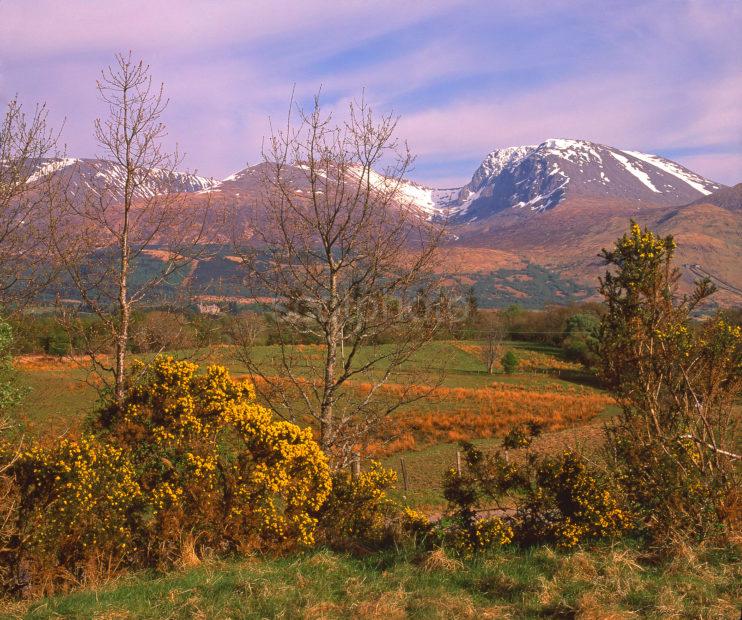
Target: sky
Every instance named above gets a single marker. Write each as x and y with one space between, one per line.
465 78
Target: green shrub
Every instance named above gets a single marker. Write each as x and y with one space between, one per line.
9 392
521 436
58 343
674 441
509 363
582 338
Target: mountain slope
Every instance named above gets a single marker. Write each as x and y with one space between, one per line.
728 197
551 206
557 204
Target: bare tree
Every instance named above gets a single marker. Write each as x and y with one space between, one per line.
494 335
342 254
133 224
25 140
247 330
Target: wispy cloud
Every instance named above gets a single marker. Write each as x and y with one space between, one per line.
466 77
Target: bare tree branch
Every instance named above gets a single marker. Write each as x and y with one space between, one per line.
342 254
132 238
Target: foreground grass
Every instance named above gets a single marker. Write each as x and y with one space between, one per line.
604 582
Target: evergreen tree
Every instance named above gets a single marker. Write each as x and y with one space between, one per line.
509 363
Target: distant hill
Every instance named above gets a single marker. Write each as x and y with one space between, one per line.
728 198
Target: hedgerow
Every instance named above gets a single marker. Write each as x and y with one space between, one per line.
561 500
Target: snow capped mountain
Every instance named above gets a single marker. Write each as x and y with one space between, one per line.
539 177
100 174
518 180
407 193
554 204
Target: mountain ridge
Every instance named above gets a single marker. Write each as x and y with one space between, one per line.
540 177
98 175
555 204
527 177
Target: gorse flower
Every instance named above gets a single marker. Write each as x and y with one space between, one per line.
212 460
78 495
570 503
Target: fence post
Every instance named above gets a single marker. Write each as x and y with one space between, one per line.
356 466
404 474
458 462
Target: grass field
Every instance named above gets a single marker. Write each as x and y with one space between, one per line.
469 404
609 581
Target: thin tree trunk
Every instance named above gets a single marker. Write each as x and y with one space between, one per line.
326 415
122 339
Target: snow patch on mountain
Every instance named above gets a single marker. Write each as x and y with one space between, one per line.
575 151
100 175
498 160
48 167
639 174
695 181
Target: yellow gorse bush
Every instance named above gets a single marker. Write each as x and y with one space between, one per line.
645 244
676 380
482 534
569 504
359 513
79 499
187 457
212 461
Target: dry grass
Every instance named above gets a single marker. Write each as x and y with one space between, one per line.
322 610
390 605
38 362
188 558
463 414
437 560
